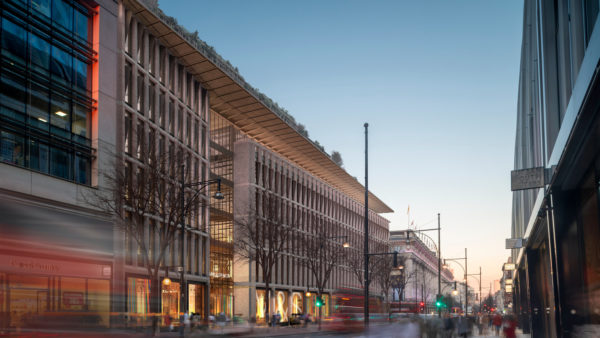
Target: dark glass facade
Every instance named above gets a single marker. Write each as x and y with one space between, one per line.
45 87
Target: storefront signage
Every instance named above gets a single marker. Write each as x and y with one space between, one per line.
509 266
508 281
515 243
72 298
508 288
42 266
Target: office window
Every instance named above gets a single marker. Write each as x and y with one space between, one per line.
128 91
151 103
171 117
57 110
140 46
14 39
81 26
151 54
39 53
161 64
12 148
127 130
140 139
161 109
41 7
62 14
140 93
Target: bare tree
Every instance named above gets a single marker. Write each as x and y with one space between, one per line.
134 194
356 263
261 237
322 251
400 281
383 277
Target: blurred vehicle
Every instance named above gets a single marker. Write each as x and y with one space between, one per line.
348 322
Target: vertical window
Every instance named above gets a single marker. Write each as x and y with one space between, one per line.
13 41
62 13
172 69
62 67
127 140
41 7
196 97
128 93
188 91
140 139
196 131
82 168
180 123
180 78
151 53
161 64
203 142
171 117
12 148
188 128
151 145
60 163
81 26
81 74
12 96
38 156
38 107
140 93
60 113
140 44
39 53
81 121
161 109
151 95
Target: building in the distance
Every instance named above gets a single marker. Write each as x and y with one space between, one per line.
558 270
419 254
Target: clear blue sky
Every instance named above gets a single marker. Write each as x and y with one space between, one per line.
436 80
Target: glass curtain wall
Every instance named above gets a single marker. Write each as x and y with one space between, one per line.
222 138
45 92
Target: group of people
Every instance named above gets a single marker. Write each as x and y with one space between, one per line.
465 326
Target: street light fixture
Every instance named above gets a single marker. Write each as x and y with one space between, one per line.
465 278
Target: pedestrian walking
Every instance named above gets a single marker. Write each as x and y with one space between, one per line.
497 321
510 326
463 326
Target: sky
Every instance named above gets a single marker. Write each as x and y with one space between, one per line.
436 80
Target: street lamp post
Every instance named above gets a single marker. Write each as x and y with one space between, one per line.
479 280
366 244
466 274
219 196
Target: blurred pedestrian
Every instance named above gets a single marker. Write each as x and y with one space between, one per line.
497 321
463 326
448 326
510 326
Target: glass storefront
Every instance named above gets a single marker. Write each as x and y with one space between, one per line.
35 300
261 305
281 305
297 303
196 298
138 296
170 299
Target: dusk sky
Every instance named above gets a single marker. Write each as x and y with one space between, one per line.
436 81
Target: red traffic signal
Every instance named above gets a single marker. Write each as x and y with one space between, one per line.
422 304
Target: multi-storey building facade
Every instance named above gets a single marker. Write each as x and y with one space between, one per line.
310 207
86 82
556 281
420 268
163 114
56 251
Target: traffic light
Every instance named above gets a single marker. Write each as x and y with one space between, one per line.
319 301
439 303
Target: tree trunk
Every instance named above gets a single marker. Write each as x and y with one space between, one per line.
268 296
155 303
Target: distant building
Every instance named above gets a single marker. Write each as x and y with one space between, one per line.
419 254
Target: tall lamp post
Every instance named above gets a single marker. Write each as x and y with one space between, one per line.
366 244
199 187
466 274
479 280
